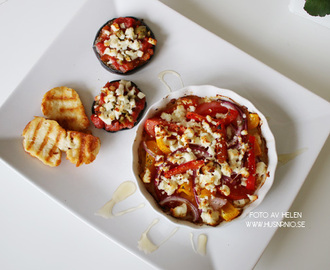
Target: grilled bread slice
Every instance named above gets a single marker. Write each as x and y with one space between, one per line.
82 147
63 104
45 139
42 139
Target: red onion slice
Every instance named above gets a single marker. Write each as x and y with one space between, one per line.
199 151
241 122
181 200
241 118
217 202
148 150
195 192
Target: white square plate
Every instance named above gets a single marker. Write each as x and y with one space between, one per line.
296 116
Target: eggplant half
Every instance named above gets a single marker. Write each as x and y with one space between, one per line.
124 45
119 106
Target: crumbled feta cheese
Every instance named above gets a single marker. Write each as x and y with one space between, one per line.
181 178
225 169
135 45
243 182
118 102
192 108
166 116
261 168
252 197
168 185
106 43
147 176
244 172
129 33
152 41
125 42
225 190
179 113
120 34
115 27
141 95
203 203
120 56
240 203
107 51
106 32
210 216
132 54
244 132
114 42
233 155
180 211
179 158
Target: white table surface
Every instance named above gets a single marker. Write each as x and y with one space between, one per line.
37 233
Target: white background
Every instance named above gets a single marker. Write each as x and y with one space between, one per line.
37 233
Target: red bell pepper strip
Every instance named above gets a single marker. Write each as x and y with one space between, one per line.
211 108
221 146
190 165
230 117
151 123
200 118
195 116
251 164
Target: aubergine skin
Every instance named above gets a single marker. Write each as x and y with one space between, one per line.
113 69
138 119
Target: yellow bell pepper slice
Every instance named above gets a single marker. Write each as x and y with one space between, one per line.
162 146
149 164
253 120
187 189
205 193
257 149
153 147
229 212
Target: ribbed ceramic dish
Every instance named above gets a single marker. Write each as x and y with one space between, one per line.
209 91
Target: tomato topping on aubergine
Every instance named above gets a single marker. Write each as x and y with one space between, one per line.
124 44
120 105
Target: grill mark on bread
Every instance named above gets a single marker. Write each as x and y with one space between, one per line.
55 149
41 134
39 140
45 141
62 97
63 110
35 133
63 105
65 122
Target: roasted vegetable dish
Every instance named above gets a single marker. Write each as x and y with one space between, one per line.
203 159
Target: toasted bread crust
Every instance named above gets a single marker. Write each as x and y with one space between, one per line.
41 140
63 104
83 147
46 139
